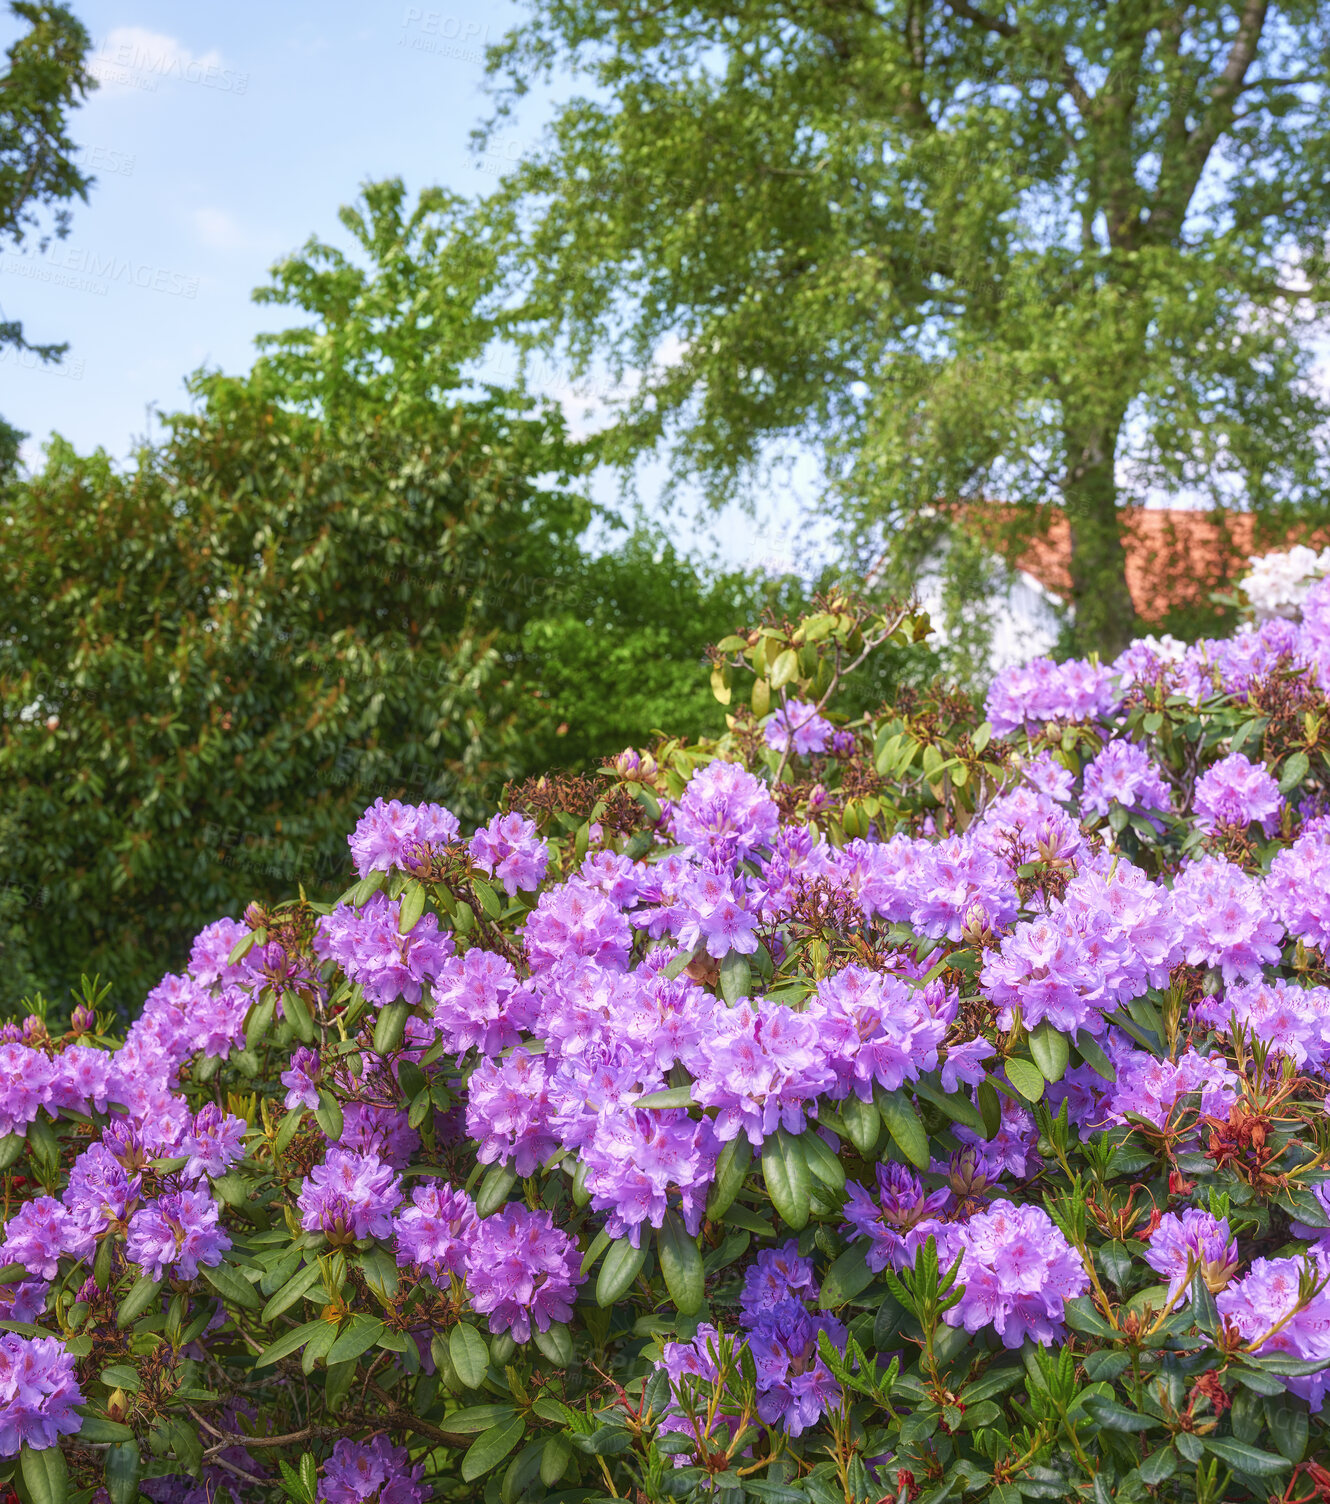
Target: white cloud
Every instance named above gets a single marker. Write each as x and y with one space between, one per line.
134 58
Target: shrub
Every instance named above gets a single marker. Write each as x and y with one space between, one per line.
910 1106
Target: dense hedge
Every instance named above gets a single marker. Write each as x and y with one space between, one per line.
211 663
920 1106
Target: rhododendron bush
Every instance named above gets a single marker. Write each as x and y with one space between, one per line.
918 1107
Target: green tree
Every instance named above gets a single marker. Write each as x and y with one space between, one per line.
211 663
1050 250
44 78
349 573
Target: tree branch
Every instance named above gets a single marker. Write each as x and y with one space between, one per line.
1179 184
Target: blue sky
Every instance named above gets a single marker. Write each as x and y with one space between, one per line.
222 136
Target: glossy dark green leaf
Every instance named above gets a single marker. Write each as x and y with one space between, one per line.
681 1265
490 1448
788 1182
620 1268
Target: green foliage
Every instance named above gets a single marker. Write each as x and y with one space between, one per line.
986 250
44 78
211 663
343 576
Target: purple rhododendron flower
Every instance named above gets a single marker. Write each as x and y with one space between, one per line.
1237 791
367 944
38 1393
178 1232
575 919
388 831
350 1196
798 726
480 1003
1299 889
301 1079
214 1144
436 1229
374 1469
1124 773
725 812
1264 1308
510 849
1193 1243
520 1268
795 1388
1018 1271
1224 917
638 1163
37 1234
899 1221
775 1275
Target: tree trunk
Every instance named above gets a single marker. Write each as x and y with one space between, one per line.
1105 617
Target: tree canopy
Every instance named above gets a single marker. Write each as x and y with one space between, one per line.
1046 250
346 574
45 76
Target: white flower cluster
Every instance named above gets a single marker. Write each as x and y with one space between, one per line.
1279 582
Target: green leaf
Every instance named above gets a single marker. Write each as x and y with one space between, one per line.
1080 1314
470 1355
123 1469
1159 1466
1092 1052
1244 1459
231 1285
902 1121
847 1277
390 1027
862 1123
673 1096
328 1114
554 1460
681 1264
990 1109
42 1140
475 1418
359 1334
1117 1417
735 975
788 1182
141 1295
955 1104
1050 1051
288 1342
732 1166
822 1162
11 1150
490 903
785 668
1289 1427
493 1192
490 1448
1295 770
96 1428
556 1343
621 1266
304 1279
413 906
45 1476
1026 1077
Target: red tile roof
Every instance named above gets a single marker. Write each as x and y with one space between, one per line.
1174 558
